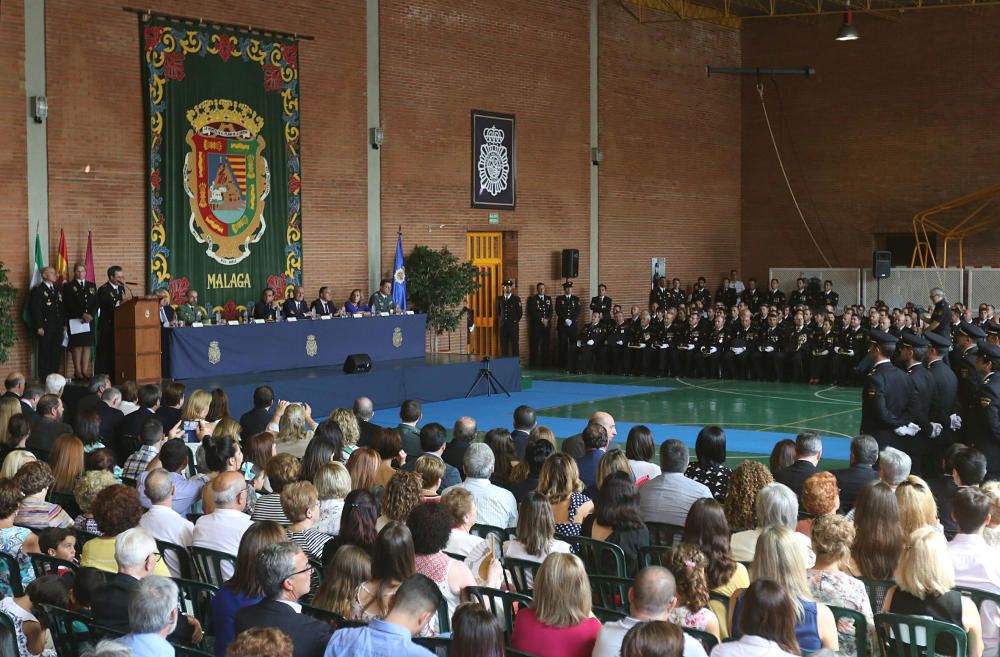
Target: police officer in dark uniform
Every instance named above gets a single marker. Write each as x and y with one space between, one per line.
829 297
659 296
617 342
752 295
797 346
824 341
737 359
109 296
665 343
640 345
48 319
768 353
540 323
567 314
774 296
589 349
508 316
850 350
885 394
944 399
988 421
714 343
941 318
911 352
963 362
701 293
688 342
800 296
992 332
601 303
80 302
676 296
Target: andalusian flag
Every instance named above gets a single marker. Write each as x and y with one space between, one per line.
399 275
62 259
36 278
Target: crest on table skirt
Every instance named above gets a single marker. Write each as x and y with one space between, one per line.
214 352
226 178
397 337
311 346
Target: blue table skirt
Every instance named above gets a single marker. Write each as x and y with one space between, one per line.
191 352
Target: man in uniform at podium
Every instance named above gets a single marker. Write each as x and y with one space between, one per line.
568 312
508 316
297 306
266 308
190 312
109 296
48 319
540 321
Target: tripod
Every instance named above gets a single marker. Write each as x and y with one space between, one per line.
492 383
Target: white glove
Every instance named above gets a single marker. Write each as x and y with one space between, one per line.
590 343
569 322
935 429
956 422
907 430
619 343
739 350
690 347
824 352
850 352
642 345
578 343
664 346
712 350
472 327
768 348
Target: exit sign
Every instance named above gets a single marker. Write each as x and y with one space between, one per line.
494 217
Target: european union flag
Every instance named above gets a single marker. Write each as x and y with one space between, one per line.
399 275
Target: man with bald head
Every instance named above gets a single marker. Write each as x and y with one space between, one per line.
651 597
223 529
462 435
574 445
13 385
364 411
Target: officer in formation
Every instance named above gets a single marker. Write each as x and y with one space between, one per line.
48 320
567 316
540 310
508 318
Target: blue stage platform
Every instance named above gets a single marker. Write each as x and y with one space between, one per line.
429 379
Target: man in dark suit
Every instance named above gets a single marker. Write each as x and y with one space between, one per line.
89 401
48 320
808 452
33 391
364 411
169 412
595 440
266 308
297 306
49 426
885 395
524 422
14 385
109 296
256 420
111 415
432 441
284 574
137 556
128 432
602 302
462 435
850 481
410 414
323 306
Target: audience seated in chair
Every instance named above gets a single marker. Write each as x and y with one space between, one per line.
667 498
223 529
161 520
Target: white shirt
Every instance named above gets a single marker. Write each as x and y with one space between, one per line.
644 469
609 640
743 545
222 531
462 543
750 646
494 505
515 550
977 565
165 524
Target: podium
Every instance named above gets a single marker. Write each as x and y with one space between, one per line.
137 341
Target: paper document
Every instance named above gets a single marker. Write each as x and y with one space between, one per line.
77 326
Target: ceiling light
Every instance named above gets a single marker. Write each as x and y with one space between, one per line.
847 31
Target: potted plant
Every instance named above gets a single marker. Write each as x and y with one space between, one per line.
438 284
8 294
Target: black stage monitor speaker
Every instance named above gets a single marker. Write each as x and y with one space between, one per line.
357 363
570 263
881 263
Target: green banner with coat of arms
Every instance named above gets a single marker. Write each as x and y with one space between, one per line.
224 180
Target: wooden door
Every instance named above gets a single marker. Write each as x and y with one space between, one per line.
485 251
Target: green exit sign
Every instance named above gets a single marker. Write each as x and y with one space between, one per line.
494 217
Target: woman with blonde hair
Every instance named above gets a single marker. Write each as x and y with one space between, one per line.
227 427
333 483
197 405
296 424
543 433
9 407
925 586
992 532
431 471
560 482
688 564
87 488
402 495
612 462
779 557
350 567
917 507
832 537
349 429
748 479
560 622
13 462
66 459
536 531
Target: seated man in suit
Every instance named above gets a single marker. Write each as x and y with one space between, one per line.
808 452
266 308
364 411
595 441
255 421
524 421
668 498
413 606
171 402
111 415
864 453
297 306
432 441
14 385
168 317
128 433
88 402
284 574
33 391
49 426
136 554
410 414
323 306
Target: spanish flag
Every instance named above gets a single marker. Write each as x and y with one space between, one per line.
62 259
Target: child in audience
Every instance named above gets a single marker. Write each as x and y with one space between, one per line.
688 563
60 543
350 567
86 583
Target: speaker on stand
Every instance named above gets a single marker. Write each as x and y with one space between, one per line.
881 267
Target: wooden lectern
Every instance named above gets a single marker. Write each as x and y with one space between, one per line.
137 340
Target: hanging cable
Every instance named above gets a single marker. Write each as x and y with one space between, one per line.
781 165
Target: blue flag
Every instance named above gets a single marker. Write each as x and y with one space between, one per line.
399 275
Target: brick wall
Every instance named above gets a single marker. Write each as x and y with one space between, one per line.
894 123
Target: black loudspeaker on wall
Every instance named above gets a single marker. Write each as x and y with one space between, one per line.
357 363
881 264
570 263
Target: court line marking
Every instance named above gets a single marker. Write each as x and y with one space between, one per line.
819 394
750 394
810 419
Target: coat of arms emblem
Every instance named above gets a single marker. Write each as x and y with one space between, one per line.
226 178
493 165
214 353
311 346
397 337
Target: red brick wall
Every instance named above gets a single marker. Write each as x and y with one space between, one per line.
670 180
894 123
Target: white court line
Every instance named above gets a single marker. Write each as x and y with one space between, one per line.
750 394
819 395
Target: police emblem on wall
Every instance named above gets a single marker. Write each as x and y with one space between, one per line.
494 170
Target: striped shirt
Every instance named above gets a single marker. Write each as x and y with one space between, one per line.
268 507
311 541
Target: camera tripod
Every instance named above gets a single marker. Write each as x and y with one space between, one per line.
492 383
